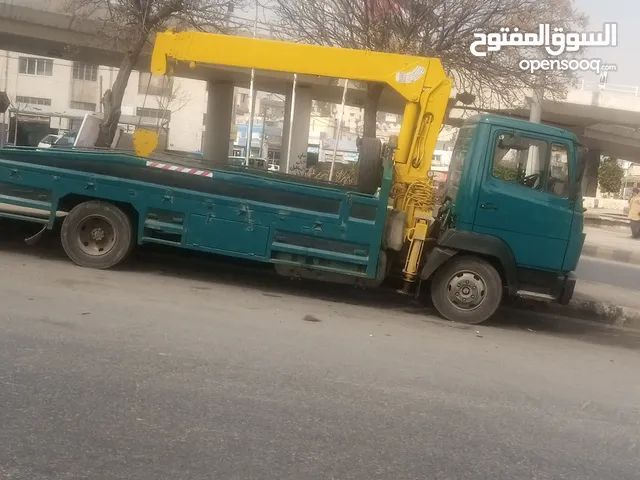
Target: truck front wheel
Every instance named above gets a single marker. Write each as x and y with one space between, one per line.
466 290
97 234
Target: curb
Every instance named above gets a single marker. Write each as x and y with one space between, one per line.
607 253
600 313
605 222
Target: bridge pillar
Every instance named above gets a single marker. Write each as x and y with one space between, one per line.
590 177
535 115
217 129
299 132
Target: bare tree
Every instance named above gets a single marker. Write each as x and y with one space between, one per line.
134 23
17 108
173 99
436 28
324 109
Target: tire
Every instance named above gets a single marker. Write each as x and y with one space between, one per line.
460 279
382 272
97 235
370 165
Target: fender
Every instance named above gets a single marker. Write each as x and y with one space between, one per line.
32 240
438 257
453 241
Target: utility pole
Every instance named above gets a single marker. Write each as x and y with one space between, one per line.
338 134
6 102
252 94
535 116
232 137
263 138
291 117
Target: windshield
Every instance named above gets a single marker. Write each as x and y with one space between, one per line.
460 152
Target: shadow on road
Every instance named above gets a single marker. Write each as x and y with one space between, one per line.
253 275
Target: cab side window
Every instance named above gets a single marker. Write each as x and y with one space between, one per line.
558 181
521 160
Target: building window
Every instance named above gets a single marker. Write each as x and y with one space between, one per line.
155 85
33 100
88 106
153 113
35 66
85 71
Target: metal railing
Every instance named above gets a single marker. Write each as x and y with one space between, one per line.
591 86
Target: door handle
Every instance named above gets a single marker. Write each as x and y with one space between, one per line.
488 206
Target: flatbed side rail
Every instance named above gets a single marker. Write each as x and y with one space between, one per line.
337 237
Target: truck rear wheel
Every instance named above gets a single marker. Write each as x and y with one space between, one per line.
370 165
97 234
466 290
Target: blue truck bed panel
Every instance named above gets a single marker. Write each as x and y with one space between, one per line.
270 218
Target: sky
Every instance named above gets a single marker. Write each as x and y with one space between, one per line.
626 13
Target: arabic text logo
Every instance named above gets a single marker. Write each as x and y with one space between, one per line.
555 41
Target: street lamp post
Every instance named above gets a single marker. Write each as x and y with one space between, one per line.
252 93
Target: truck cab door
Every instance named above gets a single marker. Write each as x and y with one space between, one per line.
525 198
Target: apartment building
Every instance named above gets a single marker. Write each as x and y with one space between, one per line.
51 95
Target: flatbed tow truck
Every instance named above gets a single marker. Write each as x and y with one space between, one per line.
510 225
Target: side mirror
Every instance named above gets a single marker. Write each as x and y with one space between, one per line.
574 190
582 162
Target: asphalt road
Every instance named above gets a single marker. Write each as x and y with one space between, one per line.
617 274
172 371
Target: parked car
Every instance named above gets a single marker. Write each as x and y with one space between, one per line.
67 140
49 140
255 163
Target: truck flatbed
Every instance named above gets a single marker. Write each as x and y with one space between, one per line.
236 212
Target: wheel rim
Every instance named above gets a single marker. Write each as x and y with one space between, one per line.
95 235
466 290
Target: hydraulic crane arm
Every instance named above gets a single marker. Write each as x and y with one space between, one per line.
422 82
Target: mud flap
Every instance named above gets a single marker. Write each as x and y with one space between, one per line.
35 238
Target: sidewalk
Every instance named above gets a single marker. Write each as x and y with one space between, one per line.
601 217
612 243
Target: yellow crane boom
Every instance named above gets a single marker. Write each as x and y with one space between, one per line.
422 82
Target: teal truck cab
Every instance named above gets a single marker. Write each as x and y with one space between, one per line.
511 221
